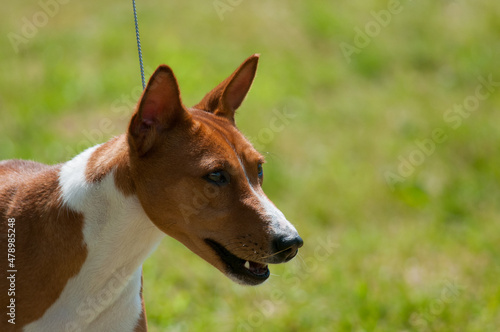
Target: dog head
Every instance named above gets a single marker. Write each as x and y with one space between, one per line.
199 179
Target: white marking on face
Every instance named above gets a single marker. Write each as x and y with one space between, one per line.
279 224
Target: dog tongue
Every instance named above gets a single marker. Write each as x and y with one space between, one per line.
258 268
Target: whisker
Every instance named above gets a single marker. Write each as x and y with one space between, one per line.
274 253
302 259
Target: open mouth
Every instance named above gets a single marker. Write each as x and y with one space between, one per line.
248 272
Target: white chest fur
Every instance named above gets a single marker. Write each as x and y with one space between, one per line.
105 294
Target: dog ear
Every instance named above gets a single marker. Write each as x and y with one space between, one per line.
225 99
159 108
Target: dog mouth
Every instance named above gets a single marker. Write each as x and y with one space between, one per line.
243 271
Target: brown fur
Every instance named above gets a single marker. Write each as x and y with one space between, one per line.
49 240
112 156
142 325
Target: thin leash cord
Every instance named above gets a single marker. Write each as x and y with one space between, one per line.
139 45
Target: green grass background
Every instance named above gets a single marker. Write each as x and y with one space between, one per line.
423 256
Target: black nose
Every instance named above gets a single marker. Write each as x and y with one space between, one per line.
287 247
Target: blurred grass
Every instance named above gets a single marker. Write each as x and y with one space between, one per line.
395 250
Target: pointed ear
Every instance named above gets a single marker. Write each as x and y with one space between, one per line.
225 99
159 108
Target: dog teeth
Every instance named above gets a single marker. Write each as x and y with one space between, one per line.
247 265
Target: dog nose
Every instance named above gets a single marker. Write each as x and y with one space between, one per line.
287 246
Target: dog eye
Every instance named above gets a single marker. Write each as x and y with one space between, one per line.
219 178
260 171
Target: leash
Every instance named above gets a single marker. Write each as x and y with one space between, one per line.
139 45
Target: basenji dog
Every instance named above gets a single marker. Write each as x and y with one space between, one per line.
78 232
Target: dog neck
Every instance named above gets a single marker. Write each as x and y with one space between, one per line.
117 233
115 225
